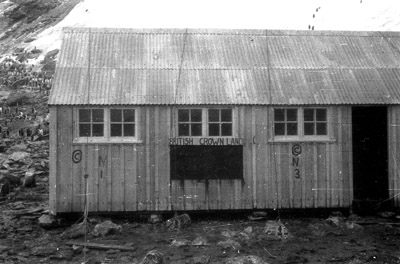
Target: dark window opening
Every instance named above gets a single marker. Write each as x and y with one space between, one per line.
122 122
220 122
91 122
285 122
315 121
189 122
206 162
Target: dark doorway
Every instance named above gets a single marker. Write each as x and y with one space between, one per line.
370 153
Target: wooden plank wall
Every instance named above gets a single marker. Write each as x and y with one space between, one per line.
135 177
394 154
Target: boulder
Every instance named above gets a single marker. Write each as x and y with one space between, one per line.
199 241
276 230
29 179
155 218
153 257
49 221
106 228
18 156
179 222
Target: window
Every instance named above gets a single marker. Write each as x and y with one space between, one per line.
220 122
285 122
213 122
91 122
189 122
301 123
122 122
315 121
103 125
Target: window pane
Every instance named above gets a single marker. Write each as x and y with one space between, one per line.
98 130
116 130
213 129
183 130
291 114
196 115
84 115
309 129
196 130
213 115
308 114
279 114
321 129
116 115
226 129
226 115
321 114
84 130
183 115
129 115
129 130
279 129
291 129
97 115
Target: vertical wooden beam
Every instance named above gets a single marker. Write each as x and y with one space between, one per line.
157 156
254 157
53 179
147 151
315 169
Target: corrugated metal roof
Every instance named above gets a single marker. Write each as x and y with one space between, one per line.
193 66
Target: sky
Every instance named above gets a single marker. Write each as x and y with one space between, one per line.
355 15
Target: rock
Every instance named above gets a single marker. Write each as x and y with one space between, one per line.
335 221
248 230
251 259
77 230
179 222
276 230
49 221
199 241
18 155
153 257
353 226
202 259
155 218
353 217
29 179
106 228
229 244
180 242
77 249
229 233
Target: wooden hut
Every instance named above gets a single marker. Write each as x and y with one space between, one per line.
190 119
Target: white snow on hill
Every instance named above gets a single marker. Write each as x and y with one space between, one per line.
371 15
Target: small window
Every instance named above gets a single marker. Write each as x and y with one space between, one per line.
122 122
190 122
220 122
315 121
285 122
91 122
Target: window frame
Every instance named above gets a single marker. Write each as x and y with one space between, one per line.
106 138
205 121
300 126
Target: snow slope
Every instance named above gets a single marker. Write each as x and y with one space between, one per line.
374 15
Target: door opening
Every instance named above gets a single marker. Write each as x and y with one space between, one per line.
370 154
